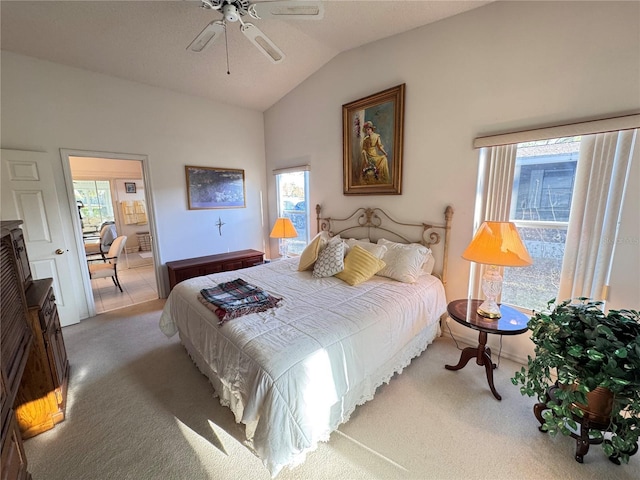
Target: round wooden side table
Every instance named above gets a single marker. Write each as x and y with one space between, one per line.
512 322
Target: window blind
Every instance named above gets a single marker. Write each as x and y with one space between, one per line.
300 168
626 122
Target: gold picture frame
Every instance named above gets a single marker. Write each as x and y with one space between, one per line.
209 188
373 133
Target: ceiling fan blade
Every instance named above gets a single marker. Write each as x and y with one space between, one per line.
262 42
208 36
288 9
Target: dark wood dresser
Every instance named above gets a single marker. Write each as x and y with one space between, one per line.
180 270
15 343
41 400
35 368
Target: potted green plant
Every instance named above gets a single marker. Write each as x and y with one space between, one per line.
581 351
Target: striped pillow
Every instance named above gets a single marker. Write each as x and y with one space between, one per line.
359 266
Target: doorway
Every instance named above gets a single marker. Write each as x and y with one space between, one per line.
110 189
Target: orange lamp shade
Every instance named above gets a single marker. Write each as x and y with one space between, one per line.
498 243
283 228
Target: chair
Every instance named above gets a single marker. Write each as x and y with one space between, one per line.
107 236
110 268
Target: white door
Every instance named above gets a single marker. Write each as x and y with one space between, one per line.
29 194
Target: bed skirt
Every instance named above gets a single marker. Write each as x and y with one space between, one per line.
357 395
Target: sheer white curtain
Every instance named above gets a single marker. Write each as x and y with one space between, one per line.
495 185
601 177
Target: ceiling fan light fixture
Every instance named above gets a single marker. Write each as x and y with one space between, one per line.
230 13
266 46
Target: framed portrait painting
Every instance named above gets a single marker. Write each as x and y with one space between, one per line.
372 143
215 188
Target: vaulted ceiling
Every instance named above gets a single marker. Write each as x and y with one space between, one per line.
146 41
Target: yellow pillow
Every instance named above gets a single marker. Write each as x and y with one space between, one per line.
359 266
310 254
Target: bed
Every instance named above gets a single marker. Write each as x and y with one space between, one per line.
292 374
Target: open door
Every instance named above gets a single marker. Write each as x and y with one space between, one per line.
120 195
29 194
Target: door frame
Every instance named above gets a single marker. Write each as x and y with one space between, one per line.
65 153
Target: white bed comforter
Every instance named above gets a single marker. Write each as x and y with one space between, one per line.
295 373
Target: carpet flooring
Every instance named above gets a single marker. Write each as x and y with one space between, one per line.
139 409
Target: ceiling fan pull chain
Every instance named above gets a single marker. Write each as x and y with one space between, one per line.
226 46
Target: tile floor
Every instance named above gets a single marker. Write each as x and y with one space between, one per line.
138 284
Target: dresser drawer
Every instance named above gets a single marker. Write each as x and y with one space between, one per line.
210 268
56 351
14 461
48 310
253 261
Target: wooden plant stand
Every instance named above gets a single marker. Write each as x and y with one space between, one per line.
585 423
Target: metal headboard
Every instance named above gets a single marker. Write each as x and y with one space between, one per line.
375 223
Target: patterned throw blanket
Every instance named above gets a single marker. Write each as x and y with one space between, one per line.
236 298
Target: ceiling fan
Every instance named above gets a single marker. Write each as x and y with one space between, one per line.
233 11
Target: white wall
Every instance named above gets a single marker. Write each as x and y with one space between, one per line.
504 67
46 107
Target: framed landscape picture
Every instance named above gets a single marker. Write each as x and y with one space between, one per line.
215 188
372 141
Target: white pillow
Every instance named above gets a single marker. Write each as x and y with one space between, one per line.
430 262
374 249
403 261
335 239
330 260
356 240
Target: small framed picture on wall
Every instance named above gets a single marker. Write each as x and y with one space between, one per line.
130 187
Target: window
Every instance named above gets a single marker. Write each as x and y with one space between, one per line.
292 187
564 188
540 205
95 206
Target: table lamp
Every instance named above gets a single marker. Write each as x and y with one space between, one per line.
283 228
496 244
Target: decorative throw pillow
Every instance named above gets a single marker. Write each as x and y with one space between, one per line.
330 260
310 253
359 266
403 261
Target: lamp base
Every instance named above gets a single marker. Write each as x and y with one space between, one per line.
491 287
489 309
